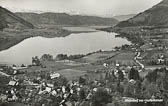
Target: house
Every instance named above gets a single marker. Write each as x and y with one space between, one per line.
55 75
13 83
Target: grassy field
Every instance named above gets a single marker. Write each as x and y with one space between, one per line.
152 54
99 56
71 74
93 66
122 58
69 70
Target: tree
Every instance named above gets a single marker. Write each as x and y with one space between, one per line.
61 81
78 56
151 90
82 80
47 57
133 90
82 94
110 76
128 90
36 61
100 98
120 75
152 76
134 74
61 57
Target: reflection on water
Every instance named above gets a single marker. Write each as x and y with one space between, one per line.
73 44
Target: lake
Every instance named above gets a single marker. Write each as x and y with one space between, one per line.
81 43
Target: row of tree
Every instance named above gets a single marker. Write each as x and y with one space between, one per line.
71 57
47 57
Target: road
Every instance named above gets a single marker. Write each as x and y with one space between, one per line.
4 74
135 58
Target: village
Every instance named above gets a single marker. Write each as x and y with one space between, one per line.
116 76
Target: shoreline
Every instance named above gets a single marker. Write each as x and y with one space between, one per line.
7 40
130 36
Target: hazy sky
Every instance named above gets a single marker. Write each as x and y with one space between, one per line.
98 7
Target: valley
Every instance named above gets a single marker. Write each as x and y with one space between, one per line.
57 59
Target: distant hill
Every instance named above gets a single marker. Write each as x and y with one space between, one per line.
155 16
123 17
9 19
66 19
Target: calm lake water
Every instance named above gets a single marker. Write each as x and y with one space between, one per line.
81 43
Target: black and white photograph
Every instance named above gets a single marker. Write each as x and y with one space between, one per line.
83 52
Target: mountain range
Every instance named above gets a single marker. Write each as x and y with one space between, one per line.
9 19
65 19
155 16
29 20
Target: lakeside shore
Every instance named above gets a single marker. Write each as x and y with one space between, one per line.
11 37
133 34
